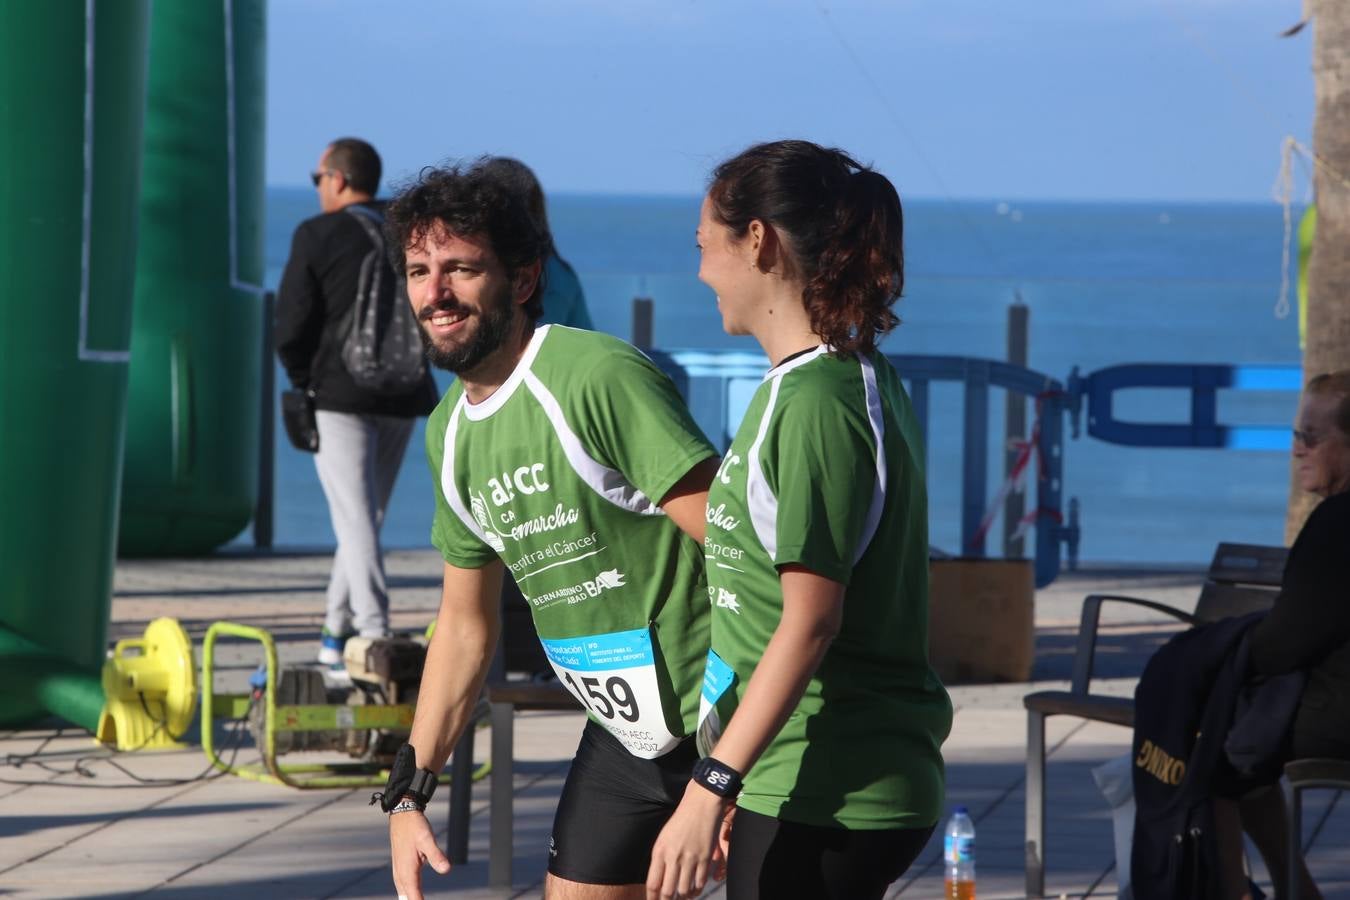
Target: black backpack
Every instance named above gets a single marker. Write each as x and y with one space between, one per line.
381 348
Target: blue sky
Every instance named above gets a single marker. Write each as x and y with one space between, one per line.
1002 99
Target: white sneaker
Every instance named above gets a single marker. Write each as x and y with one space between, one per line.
330 648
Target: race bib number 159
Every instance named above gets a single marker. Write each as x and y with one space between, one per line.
614 677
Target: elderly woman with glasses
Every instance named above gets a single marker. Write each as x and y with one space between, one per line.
1308 629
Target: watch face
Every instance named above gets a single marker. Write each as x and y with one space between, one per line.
718 781
716 777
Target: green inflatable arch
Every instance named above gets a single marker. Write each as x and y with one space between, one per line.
190 477
72 89
76 376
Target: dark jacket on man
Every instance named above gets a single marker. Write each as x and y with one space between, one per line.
315 299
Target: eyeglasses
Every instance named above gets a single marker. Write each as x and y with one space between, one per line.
316 177
1307 438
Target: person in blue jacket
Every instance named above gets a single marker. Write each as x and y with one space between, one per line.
564 301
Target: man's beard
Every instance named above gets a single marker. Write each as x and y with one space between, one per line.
494 327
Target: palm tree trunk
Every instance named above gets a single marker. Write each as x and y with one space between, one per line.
1328 336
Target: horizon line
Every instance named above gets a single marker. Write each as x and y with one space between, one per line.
916 198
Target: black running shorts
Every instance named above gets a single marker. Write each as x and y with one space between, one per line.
613 807
770 858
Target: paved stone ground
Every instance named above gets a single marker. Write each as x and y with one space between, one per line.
79 821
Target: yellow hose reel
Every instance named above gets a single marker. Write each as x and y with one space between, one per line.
150 685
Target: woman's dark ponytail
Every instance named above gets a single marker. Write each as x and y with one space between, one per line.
842 223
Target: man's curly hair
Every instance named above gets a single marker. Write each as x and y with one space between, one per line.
473 200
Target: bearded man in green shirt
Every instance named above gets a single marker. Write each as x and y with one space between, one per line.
567 456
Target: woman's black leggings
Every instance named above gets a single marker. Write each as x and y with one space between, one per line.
770 858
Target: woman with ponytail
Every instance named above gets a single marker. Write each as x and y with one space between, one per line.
821 721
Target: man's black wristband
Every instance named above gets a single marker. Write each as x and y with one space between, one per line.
406 780
718 777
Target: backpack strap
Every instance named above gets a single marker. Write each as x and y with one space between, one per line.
372 220
365 212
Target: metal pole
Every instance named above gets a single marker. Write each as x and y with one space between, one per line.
642 322
975 458
1035 805
262 513
1014 426
461 787
501 826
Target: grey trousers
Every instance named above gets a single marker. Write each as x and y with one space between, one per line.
358 460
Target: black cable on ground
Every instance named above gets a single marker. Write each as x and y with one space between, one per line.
79 767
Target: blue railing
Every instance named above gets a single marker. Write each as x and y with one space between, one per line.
1204 382
718 386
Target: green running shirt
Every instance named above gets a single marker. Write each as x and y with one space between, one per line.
558 474
826 471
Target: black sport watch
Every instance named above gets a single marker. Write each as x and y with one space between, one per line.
718 777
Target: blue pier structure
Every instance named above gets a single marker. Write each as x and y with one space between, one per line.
718 386
1096 391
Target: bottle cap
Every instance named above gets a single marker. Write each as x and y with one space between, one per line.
961 811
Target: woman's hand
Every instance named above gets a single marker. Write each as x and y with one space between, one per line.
412 843
812 612
688 846
723 851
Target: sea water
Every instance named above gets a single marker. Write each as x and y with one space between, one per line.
1106 284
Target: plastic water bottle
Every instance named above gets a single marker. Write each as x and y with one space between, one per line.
958 851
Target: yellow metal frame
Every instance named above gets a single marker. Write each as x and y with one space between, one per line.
330 717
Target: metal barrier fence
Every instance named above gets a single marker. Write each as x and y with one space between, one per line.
1203 382
718 386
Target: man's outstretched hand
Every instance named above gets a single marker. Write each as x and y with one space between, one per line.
412 843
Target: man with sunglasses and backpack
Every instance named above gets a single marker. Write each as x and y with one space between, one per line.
354 359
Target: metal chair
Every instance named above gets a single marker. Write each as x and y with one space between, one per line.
1307 775
1241 579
